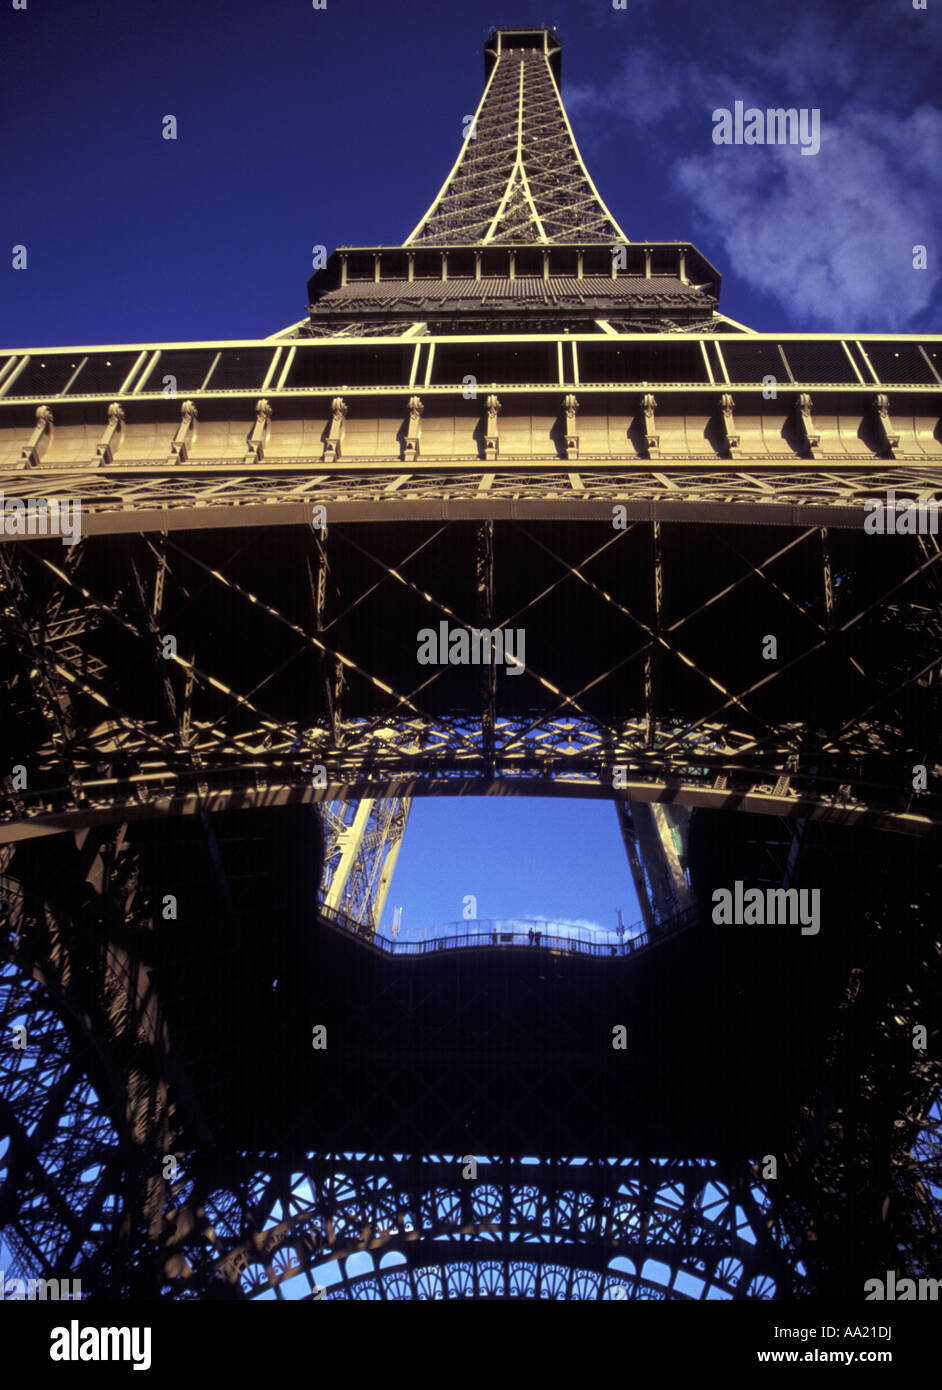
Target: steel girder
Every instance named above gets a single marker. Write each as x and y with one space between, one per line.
362 843
61 1162
85 1115
371 1227
356 1227
125 500
713 728
654 837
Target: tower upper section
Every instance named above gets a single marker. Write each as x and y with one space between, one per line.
519 177
518 238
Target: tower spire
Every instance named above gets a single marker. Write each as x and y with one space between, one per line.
519 177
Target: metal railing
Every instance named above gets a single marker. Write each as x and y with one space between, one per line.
506 933
496 933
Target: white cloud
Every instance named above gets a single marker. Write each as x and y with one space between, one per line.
568 922
831 235
643 90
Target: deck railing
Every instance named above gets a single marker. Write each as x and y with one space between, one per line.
507 933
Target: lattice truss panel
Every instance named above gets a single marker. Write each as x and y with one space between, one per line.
61 1158
362 840
926 1169
186 494
357 1227
520 178
349 1227
85 1115
327 1225
637 659
346 1226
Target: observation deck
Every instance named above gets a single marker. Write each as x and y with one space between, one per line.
509 933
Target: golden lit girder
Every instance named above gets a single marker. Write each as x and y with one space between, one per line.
519 177
363 840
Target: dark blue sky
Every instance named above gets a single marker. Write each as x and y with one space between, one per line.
523 857
300 126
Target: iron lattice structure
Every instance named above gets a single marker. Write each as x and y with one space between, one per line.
83 1098
657 695
518 419
363 840
519 177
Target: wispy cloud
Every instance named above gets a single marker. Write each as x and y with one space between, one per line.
568 922
830 237
643 90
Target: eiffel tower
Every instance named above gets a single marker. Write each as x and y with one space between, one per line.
221 1077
